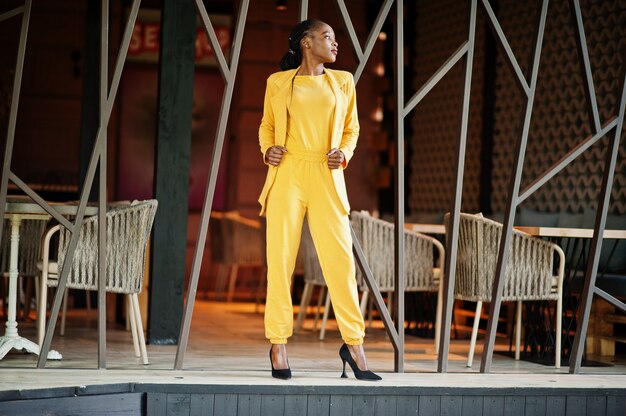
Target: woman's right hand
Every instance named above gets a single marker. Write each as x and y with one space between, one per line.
274 155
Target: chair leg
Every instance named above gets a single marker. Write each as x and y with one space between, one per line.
64 314
304 303
260 290
370 312
438 319
130 317
28 295
518 330
326 311
88 302
220 281
364 297
232 282
127 326
320 296
41 312
470 356
559 317
142 340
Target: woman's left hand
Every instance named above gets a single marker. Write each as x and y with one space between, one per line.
335 158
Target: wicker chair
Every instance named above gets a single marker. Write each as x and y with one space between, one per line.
236 242
128 229
529 275
422 275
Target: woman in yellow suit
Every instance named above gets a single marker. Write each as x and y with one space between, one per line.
307 136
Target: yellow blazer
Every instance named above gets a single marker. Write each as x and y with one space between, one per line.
345 123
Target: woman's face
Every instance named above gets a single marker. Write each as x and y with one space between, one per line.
320 44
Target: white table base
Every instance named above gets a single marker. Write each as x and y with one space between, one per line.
11 339
7 343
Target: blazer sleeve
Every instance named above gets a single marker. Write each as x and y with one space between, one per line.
351 123
266 129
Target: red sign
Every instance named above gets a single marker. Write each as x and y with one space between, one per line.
144 43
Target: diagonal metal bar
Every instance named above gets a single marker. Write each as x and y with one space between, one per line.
453 235
15 100
12 13
512 200
238 40
504 43
374 290
303 12
610 298
585 69
596 242
436 77
396 336
210 190
105 115
400 273
351 32
566 160
39 200
373 36
121 57
215 44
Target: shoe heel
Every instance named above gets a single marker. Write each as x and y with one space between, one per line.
343 374
359 374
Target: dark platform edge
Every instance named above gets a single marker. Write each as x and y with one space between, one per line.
367 389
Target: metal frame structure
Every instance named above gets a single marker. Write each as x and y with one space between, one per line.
515 197
590 288
98 157
465 51
228 73
516 175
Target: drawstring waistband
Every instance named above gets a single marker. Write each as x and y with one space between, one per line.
308 155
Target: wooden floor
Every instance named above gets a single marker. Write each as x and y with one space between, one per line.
228 352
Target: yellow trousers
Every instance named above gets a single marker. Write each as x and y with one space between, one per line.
304 186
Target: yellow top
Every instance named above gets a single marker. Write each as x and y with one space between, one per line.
309 126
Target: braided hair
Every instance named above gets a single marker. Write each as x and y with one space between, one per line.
293 58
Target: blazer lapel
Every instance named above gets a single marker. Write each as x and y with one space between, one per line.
280 104
340 108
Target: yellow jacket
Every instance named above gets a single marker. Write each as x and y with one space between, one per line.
345 123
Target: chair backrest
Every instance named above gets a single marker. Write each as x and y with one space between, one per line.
128 229
245 237
29 248
236 240
529 273
377 240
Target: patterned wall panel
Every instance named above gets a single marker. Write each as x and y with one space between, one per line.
441 28
560 119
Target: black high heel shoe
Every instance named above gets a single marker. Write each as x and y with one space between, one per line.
344 354
283 374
